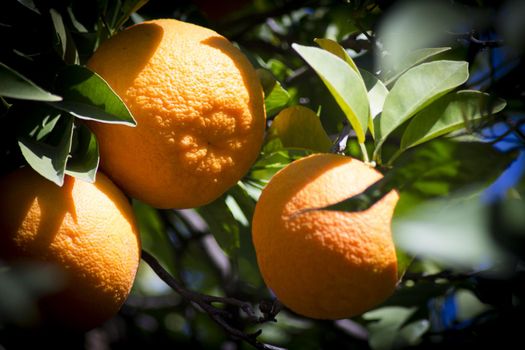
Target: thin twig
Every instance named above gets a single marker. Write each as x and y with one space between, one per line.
205 302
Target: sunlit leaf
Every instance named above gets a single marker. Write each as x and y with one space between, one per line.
375 89
344 84
377 92
413 59
300 127
333 47
416 89
15 85
449 113
88 96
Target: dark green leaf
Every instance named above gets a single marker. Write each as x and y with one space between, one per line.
14 85
267 80
84 160
416 89
449 113
88 96
153 234
29 4
128 7
49 160
345 85
418 294
222 225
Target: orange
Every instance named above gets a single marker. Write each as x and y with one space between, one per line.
199 109
325 264
87 231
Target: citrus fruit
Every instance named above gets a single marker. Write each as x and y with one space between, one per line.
325 264
87 231
199 109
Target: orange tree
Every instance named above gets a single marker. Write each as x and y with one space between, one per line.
422 102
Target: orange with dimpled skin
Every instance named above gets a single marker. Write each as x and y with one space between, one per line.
199 109
325 264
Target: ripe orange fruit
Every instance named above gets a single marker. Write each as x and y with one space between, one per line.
199 109
87 230
325 264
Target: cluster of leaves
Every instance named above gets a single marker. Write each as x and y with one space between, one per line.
46 94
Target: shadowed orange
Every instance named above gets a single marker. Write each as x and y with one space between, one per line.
87 231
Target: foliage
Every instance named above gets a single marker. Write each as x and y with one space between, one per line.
436 105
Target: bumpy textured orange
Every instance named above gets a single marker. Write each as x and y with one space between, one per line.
87 230
199 107
325 264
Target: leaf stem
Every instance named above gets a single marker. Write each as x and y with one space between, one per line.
364 152
395 156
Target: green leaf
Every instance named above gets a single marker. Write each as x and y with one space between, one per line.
267 80
375 89
88 96
84 160
128 7
222 224
436 169
377 92
344 84
276 100
65 46
449 113
49 160
452 232
416 89
153 234
60 31
384 325
413 59
15 85
336 49
273 159
300 127
418 294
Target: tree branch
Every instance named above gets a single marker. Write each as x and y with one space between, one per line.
220 316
